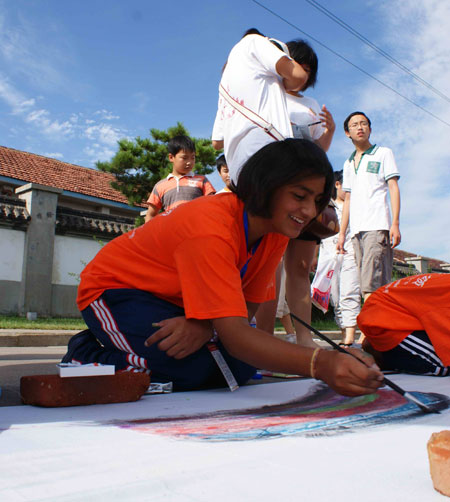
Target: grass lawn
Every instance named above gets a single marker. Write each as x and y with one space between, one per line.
11 322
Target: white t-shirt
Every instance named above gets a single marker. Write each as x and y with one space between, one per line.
250 77
369 207
328 245
304 111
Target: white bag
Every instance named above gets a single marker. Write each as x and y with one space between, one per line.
321 284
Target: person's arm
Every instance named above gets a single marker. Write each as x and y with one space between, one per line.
394 194
208 189
252 309
328 122
294 75
152 211
260 349
344 224
217 144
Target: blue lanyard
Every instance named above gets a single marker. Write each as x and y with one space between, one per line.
254 248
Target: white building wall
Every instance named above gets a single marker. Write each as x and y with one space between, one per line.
12 245
71 255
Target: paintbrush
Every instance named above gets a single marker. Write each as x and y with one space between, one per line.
386 381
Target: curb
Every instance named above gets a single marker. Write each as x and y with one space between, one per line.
35 338
49 337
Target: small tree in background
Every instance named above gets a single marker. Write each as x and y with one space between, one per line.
140 164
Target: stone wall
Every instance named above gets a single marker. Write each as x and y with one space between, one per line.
44 248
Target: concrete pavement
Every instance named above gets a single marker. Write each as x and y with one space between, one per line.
36 352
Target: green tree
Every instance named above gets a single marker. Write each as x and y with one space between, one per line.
140 164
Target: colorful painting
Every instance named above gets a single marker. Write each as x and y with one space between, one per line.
319 413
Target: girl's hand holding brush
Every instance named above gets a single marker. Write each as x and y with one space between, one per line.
346 375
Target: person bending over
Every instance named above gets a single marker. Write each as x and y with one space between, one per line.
406 324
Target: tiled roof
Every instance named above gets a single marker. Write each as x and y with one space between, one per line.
32 168
400 256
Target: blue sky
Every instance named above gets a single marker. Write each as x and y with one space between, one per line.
75 76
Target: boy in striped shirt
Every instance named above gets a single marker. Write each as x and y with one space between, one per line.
182 185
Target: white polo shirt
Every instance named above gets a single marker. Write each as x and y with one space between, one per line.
367 183
250 77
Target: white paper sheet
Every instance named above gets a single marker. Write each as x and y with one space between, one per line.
101 453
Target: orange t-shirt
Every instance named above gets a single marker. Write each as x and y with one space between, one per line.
191 256
419 302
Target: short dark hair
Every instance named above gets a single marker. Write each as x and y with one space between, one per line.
302 53
338 177
178 143
252 31
347 120
220 162
278 164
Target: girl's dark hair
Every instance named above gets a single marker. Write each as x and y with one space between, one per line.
252 31
338 177
278 164
301 52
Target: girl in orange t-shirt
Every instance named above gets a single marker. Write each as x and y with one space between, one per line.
155 297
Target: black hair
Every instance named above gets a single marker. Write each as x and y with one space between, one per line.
338 176
278 164
252 31
178 143
347 120
302 53
220 162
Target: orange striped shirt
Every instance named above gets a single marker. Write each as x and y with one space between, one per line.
173 191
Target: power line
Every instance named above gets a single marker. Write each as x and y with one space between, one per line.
350 63
385 54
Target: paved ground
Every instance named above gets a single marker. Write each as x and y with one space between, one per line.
16 362
28 352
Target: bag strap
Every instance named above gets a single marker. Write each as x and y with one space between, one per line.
250 115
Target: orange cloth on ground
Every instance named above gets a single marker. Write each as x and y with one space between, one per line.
419 302
192 257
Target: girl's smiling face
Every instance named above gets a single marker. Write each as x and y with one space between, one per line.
295 205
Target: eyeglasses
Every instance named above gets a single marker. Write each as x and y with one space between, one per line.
358 124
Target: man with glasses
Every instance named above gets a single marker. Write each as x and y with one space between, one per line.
370 174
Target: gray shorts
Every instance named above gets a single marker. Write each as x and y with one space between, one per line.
374 257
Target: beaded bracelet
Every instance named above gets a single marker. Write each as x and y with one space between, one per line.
312 366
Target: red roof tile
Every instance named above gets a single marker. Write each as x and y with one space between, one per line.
402 255
32 168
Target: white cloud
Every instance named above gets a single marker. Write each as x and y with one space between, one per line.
41 119
99 152
24 52
13 98
55 155
106 115
104 133
419 141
